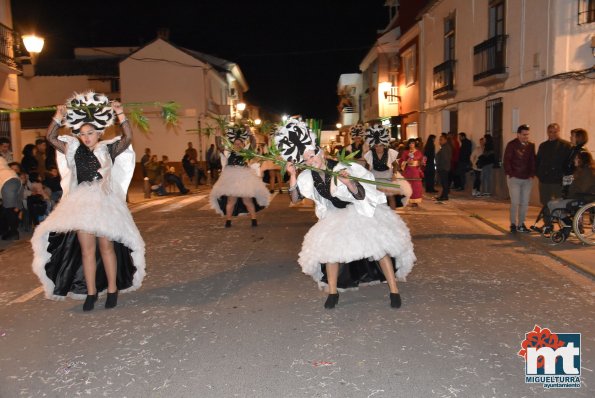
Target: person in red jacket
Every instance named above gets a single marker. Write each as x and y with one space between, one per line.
519 166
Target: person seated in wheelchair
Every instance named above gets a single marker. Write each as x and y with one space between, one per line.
580 192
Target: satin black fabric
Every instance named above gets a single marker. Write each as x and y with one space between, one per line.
240 207
65 267
356 272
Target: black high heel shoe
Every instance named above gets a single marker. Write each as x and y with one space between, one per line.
112 300
254 222
395 300
228 224
90 302
331 301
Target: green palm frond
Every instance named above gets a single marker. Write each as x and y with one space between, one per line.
169 113
139 119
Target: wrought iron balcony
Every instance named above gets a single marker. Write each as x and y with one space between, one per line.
349 116
11 50
444 80
489 61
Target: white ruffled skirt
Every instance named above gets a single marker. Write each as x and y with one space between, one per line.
344 236
239 182
56 251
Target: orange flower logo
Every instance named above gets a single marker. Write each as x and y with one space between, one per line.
540 338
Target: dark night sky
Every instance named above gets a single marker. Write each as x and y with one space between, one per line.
291 52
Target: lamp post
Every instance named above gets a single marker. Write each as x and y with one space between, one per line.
33 45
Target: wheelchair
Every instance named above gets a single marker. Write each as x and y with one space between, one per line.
577 217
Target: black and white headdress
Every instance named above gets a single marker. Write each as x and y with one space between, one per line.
295 138
377 135
236 132
357 131
89 108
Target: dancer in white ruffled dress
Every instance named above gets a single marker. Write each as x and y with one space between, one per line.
90 243
238 180
357 236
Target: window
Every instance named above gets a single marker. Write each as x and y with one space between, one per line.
409 65
449 37
494 116
586 11
5 125
36 120
496 18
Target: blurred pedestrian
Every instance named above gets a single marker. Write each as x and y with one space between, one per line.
412 162
552 157
11 193
443 165
464 163
430 169
5 151
476 166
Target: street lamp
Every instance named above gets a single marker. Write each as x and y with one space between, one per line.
241 106
284 118
257 122
339 125
33 45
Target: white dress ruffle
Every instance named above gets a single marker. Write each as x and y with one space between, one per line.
344 235
366 229
239 182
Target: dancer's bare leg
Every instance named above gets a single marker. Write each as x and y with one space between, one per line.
332 274
88 247
249 203
106 247
386 265
231 202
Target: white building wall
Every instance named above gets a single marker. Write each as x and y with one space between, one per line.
181 80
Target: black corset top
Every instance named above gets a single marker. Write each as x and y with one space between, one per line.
323 186
87 165
380 164
235 160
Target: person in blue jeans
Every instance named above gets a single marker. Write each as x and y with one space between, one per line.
519 166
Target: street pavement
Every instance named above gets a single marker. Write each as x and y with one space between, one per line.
228 313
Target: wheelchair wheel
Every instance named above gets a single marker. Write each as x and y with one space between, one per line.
558 236
583 225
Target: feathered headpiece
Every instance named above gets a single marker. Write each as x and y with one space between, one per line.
236 132
294 139
89 108
357 131
377 135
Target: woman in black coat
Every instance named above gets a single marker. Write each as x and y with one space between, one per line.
430 170
29 162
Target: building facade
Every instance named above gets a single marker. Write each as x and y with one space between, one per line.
10 67
492 65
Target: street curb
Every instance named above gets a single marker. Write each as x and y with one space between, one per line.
574 266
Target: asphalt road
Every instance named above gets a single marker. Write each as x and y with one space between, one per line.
227 312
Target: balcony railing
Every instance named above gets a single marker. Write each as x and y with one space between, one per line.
444 79
489 60
10 48
349 116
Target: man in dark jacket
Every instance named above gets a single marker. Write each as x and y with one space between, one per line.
443 161
551 158
464 164
519 166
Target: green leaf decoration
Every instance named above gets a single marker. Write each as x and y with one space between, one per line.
137 117
169 113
